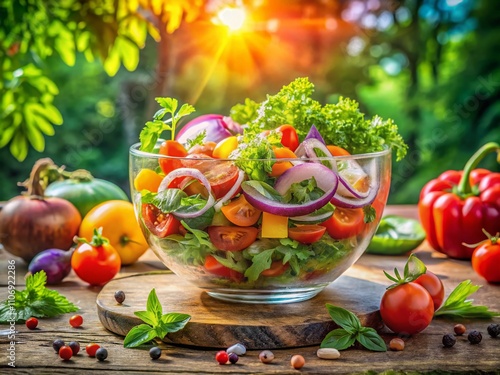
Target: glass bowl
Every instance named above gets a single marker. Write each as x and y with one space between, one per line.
269 270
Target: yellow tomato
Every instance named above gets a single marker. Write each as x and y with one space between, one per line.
225 147
148 180
119 226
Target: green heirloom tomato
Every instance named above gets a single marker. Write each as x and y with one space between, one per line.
85 193
396 235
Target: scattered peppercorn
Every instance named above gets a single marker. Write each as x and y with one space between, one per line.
57 344
297 361
92 348
101 354
397 344
31 323
75 347
449 340
222 357
459 329
266 356
155 352
494 330
119 296
233 358
474 337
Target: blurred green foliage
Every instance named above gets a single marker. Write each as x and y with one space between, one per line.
431 65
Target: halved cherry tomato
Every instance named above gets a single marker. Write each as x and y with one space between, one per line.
306 234
277 269
289 137
206 148
240 212
434 286
232 238
171 148
280 167
158 223
147 179
225 147
337 150
214 267
345 222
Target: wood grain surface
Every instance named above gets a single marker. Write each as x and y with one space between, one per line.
218 324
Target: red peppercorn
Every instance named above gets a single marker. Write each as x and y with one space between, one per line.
76 321
222 357
65 352
91 349
32 323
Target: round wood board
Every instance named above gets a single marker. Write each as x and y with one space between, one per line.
218 324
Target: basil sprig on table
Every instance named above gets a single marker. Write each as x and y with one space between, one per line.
351 331
157 323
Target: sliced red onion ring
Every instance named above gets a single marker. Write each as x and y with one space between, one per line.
307 150
314 133
214 126
230 193
194 173
326 179
312 218
353 202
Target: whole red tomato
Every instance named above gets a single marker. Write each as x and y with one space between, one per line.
95 262
407 308
434 286
486 259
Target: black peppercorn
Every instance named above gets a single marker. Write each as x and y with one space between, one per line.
233 358
57 344
494 330
475 337
449 340
119 296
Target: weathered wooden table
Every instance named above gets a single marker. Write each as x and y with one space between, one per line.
423 353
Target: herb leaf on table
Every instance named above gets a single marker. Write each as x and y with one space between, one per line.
351 331
157 323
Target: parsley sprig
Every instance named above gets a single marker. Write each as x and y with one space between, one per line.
153 129
35 300
351 331
156 324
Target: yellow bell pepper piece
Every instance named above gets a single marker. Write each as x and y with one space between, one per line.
274 226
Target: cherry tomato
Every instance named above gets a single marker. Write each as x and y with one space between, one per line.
434 286
289 137
306 234
224 148
337 150
345 222
76 321
65 353
232 238
147 179
240 212
222 357
222 177
486 260
280 167
95 263
171 148
91 349
407 308
32 323
277 268
215 268
206 148
158 223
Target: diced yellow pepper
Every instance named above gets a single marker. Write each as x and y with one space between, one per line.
274 226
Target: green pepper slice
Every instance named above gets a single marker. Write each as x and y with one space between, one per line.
396 235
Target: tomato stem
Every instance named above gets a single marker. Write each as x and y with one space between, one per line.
97 239
464 188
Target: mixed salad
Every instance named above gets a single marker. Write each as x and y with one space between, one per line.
254 199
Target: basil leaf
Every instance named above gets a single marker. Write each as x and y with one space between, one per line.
195 203
166 201
139 335
153 305
148 317
338 339
371 340
344 318
414 268
173 322
264 189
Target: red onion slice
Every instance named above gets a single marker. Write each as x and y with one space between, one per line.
326 179
307 150
230 193
353 202
194 173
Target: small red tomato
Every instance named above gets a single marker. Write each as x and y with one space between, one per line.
407 308
486 258
222 357
76 321
91 349
434 286
65 352
32 323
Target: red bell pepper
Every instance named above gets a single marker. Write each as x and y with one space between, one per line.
456 207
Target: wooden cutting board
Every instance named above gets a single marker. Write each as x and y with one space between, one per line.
218 324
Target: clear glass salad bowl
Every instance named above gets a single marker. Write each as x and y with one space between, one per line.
278 241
